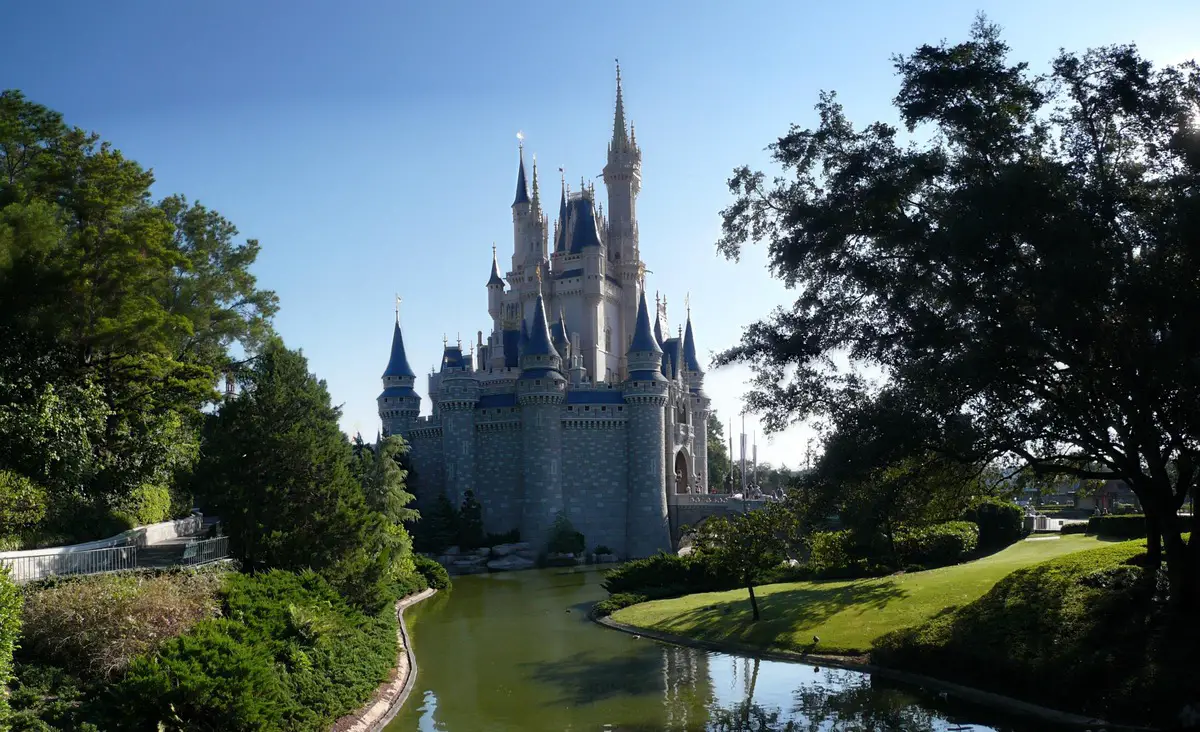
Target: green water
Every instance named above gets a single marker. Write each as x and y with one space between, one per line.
515 651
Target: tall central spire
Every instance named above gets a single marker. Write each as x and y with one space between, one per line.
620 138
522 189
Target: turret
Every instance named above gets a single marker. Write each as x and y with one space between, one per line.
540 392
399 403
495 287
560 227
645 398
700 406
623 177
456 396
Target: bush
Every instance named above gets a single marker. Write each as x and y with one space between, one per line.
601 549
470 522
1052 633
830 550
1131 526
937 545
1080 528
22 505
604 608
97 625
147 504
667 575
435 574
564 539
290 653
10 627
1000 522
508 537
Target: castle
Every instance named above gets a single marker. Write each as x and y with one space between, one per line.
573 402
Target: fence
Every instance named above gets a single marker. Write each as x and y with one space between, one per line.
205 551
93 561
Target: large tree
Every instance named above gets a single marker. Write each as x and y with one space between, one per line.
719 465
1020 267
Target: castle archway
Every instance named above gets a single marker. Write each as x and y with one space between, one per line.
682 479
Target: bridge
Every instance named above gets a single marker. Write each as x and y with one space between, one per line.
692 509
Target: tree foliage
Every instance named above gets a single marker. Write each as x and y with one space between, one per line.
719 465
746 546
1021 268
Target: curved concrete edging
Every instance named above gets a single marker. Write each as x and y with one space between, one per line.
967 693
390 697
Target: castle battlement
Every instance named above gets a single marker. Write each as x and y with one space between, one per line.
573 401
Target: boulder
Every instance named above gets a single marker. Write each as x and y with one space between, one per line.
509 563
452 550
483 552
503 550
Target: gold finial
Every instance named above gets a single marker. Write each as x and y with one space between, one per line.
397 308
520 140
445 341
538 274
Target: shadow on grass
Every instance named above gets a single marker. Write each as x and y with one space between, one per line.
782 613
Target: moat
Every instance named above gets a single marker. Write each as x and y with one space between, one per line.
516 652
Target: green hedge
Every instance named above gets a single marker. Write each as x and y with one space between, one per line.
289 653
1074 529
434 573
1000 522
1128 526
667 575
938 545
10 627
1054 632
604 608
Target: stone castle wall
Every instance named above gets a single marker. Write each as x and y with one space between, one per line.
498 475
595 485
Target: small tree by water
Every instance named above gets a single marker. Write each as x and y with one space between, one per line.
746 545
470 522
564 539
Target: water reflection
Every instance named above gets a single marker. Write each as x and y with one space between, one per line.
516 652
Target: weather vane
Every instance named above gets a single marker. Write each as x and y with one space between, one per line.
397 307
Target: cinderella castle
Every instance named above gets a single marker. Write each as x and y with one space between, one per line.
573 402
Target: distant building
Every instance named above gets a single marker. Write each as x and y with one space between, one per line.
573 402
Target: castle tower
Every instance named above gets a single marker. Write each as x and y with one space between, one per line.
522 213
541 392
623 179
645 398
701 406
456 396
399 404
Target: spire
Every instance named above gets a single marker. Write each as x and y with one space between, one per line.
690 362
495 279
537 200
560 233
398 363
620 139
522 189
643 339
658 333
539 343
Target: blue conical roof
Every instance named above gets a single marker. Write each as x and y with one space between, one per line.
522 189
560 236
523 340
539 343
643 337
658 334
690 362
398 363
584 233
495 279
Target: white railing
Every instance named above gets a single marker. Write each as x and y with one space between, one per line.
205 551
28 567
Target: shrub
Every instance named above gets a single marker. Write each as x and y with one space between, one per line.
508 537
435 574
601 549
437 528
1080 528
149 503
607 607
470 522
290 653
96 625
564 539
1131 526
22 504
10 627
1000 522
937 545
666 575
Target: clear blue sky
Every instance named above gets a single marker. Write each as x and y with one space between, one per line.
370 146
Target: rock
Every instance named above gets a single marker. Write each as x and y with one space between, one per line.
452 550
520 546
483 552
509 563
503 550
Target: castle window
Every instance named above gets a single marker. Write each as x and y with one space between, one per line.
603 409
587 409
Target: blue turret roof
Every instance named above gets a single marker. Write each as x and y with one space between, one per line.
690 362
560 236
658 336
539 335
583 229
671 357
398 363
495 279
522 189
452 358
523 340
643 337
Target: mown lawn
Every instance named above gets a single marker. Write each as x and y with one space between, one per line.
846 615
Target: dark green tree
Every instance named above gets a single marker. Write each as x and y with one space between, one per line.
470 522
437 528
746 545
1021 268
718 455
277 469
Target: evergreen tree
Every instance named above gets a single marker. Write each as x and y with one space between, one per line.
470 522
718 455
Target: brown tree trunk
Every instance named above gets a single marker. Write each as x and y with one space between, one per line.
753 600
1153 543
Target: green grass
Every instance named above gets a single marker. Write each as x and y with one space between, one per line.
847 615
